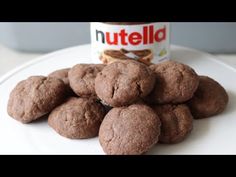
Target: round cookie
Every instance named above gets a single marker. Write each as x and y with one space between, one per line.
63 75
176 122
123 82
81 78
129 130
34 97
175 83
209 99
77 118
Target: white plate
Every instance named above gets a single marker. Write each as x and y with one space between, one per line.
216 135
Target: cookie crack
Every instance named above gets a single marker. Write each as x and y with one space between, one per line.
86 117
181 72
140 92
112 137
115 87
113 92
42 83
82 77
178 131
113 132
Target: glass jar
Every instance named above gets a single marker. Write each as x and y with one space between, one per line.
147 42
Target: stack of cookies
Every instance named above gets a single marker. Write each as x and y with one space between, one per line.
130 106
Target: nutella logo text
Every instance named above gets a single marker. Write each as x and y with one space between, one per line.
148 36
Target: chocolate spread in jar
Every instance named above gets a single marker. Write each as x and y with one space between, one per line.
147 42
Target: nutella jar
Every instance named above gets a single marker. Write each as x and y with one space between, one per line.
147 42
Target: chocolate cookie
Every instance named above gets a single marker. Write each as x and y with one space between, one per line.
175 83
129 130
77 118
124 82
81 78
63 75
176 122
34 97
209 99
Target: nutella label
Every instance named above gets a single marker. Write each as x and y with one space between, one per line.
146 42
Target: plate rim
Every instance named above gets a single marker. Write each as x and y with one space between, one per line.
15 70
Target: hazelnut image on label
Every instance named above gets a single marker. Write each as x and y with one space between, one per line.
124 82
34 97
77 118
175 83
131 130
144 56
210 99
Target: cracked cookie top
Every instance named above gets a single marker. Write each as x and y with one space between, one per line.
175 83
124 82
34 97
131 130
61 74
81 78
77 118
210 99
176 122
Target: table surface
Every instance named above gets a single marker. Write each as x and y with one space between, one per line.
9 58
